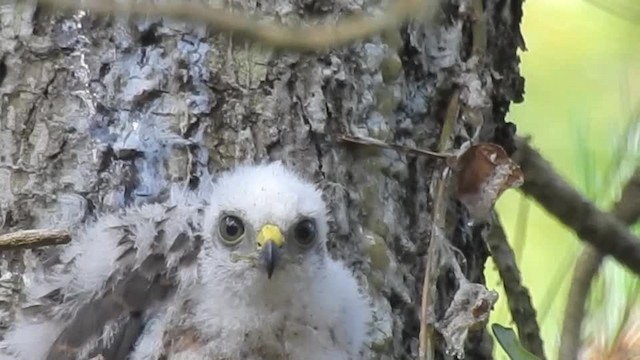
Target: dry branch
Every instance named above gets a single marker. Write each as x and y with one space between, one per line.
627 210
432 268
28 239
434 256
363 140
304 38
601 230
520 304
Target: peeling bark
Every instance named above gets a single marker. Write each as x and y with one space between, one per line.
97 113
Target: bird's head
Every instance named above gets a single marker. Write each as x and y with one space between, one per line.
268 218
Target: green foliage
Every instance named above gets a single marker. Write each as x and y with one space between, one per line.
615 291
509 342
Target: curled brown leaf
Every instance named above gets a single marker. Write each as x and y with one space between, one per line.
483 173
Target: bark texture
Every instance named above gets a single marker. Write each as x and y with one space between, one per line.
97 113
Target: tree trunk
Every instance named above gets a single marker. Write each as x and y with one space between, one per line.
101 112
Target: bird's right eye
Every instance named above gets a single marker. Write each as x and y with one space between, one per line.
231 229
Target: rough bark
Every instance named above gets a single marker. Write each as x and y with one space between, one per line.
99 112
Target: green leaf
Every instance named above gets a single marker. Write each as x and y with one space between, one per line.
509 342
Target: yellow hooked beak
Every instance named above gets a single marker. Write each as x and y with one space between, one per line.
270 240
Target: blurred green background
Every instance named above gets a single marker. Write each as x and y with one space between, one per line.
582 72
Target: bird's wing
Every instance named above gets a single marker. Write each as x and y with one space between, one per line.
156 245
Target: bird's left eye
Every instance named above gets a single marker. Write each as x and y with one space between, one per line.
305 232
231 229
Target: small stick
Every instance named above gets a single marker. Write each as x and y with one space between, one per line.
363 140
434 256
28 239
432 268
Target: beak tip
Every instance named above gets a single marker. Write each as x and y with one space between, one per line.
270 257
270 268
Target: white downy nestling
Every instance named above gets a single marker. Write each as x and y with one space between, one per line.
245 275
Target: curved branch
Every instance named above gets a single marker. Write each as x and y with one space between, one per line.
627 210
304 38
520 304
601 230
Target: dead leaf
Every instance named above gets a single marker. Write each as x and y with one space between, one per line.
469 309
484 171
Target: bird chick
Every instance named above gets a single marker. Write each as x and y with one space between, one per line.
244 275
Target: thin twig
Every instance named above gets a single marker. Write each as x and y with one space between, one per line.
558 197
520 304
627 210
434 256
28 239
432 267
362 140
307 38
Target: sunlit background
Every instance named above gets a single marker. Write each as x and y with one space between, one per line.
582 72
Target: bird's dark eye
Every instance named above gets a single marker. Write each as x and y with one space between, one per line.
305 232
231 229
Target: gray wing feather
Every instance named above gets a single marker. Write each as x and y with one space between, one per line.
134 287
125 339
